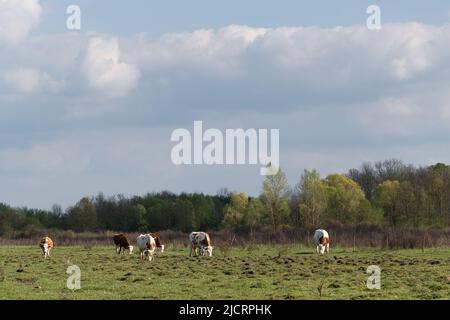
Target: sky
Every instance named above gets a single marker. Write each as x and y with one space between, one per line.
92 110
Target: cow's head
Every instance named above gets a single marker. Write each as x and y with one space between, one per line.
321 248
148 254
130 249
208 251
44 248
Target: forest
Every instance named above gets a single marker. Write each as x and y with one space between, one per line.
385 193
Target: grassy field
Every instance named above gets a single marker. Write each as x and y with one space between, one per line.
256 272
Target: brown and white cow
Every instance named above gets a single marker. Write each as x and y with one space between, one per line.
158 241
122 243
322 240
146 245
46 244
200 240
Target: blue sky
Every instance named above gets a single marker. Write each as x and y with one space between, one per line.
93 110
156 17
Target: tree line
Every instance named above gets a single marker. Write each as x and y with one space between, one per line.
386 193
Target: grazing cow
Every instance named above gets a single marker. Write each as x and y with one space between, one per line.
46 245
322 240
122 243
158 241
146 245
194 243
202 241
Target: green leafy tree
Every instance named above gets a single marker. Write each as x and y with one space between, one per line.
203 212
253 215
275 199
439 193
313 199
398 201
235 211
140 213
184 213
345 198
10 220
243 213
387 196
83 216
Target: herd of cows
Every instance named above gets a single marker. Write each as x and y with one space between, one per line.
200 244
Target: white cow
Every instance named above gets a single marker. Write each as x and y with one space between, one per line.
200 240
46 245
322 240
146 245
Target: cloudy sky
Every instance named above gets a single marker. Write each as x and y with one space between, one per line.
93 110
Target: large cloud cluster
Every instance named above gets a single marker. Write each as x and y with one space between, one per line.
338 95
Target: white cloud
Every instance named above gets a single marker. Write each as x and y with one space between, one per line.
291 65
338 95
415 49
104 70
311 63
219 51
17 18
23 80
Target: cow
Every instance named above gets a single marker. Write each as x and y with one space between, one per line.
146 245
46 245
158 241
194 244
122 243
200 240
322 240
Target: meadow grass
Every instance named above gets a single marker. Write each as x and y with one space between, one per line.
253 272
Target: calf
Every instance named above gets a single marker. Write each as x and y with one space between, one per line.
146 245
46 245
322 240
122 243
